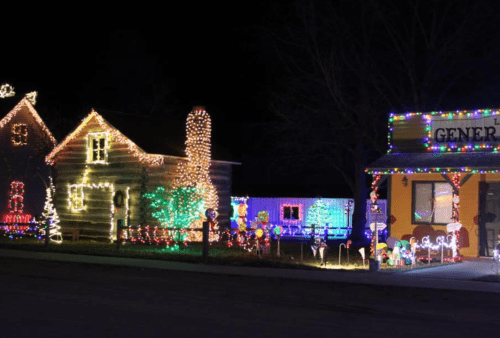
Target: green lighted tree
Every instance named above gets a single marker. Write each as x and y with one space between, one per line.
318 215
176 207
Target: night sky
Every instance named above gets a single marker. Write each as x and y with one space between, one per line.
179 57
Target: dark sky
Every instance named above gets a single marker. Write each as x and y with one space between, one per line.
175 58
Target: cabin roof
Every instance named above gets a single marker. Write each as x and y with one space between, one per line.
153 136
25 103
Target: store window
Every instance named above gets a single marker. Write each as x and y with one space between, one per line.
432 203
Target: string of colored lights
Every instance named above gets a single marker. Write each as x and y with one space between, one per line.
26 103
449 115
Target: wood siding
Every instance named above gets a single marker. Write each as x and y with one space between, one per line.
123 170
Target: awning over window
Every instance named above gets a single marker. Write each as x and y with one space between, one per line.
476 162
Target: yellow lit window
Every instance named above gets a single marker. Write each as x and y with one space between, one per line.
97 148
76 197
19 135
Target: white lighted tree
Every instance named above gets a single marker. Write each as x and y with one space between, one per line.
318 215
50 215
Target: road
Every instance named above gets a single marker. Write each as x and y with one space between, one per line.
60 299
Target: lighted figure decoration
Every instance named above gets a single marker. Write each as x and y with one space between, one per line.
32 97
16 205
195 173
318 244
211 215
50 215
177 207
6 90
318 216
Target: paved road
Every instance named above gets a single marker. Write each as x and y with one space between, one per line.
43 298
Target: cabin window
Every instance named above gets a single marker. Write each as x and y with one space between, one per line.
19 135
432 203
76 197
291 213
97 148
16 197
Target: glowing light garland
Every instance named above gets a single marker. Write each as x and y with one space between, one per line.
26 103
6 90
115 135
448 115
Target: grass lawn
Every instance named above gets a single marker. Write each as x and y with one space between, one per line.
293 254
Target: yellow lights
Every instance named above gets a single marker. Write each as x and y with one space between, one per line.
38 119
114 134
97 147
196 171
32 97
6 90
19 134
75 197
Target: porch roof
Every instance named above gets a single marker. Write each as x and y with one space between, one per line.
473 162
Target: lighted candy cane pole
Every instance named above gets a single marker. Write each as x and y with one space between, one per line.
456 212
196 171
374 197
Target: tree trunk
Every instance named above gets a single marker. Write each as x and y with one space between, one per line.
360 194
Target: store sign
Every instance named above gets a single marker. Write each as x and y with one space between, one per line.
472 131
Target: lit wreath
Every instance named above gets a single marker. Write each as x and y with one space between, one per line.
118 199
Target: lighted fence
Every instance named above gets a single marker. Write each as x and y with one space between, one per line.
333 216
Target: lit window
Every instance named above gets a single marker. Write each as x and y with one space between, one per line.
19 135
76 197
291 213
432 203
97 148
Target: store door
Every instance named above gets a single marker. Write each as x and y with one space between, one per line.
489 220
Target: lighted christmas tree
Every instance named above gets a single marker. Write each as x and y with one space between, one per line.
318 215
177 207
50 215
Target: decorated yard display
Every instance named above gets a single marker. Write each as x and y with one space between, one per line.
195 173
50 216
319 217
177 207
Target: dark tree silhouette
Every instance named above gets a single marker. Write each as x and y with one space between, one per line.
345 65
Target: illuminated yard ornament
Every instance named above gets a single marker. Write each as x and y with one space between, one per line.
50 215
6 90
177 207
318 216
195 173
32 97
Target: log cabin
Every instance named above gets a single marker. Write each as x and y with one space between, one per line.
25 140
105 166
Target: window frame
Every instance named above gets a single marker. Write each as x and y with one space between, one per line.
433 190
90 147
291 206
76 204
19 138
